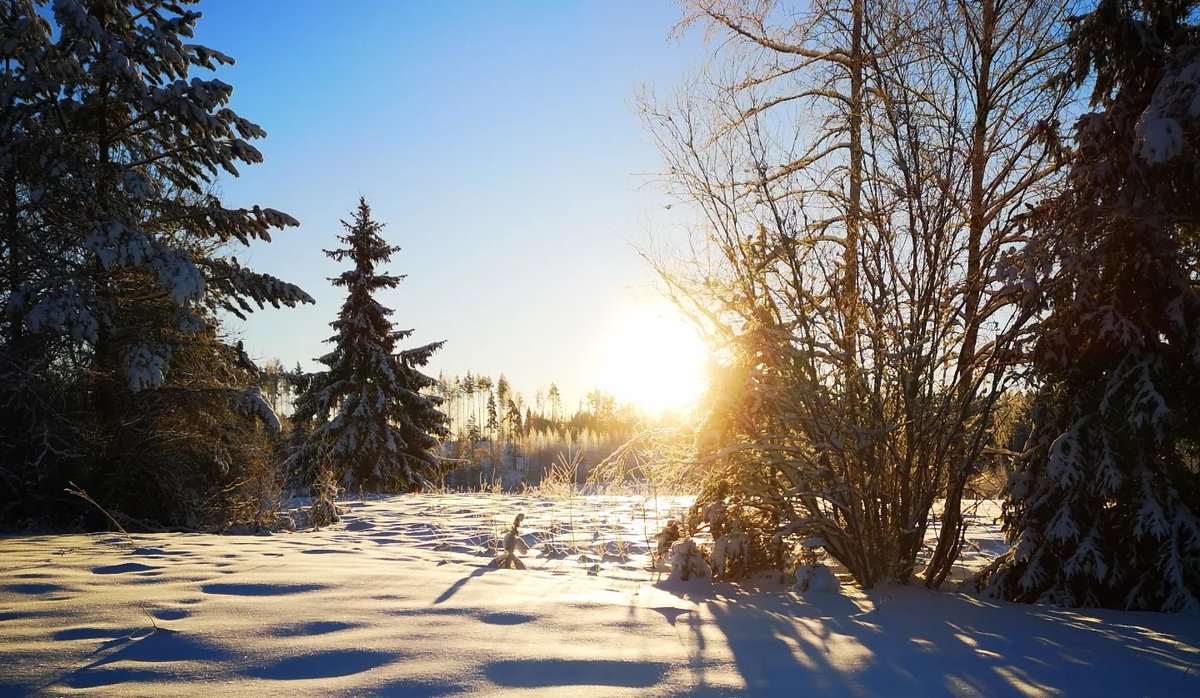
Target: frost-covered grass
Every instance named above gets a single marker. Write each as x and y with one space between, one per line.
397 600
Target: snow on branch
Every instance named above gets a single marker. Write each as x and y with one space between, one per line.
251 402
1175 105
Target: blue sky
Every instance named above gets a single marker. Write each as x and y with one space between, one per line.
499 144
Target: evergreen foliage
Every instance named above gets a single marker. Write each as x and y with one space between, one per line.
110 279
372 424
1103 508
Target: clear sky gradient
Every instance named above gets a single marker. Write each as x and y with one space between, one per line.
498 142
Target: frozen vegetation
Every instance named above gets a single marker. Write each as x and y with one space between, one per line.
398 599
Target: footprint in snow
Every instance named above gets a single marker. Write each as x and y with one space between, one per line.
124 568
32 589
506 618
249 589
322 665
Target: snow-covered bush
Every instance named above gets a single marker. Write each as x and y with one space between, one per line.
811 573
666 538
746 539
729 555
816 578
324 509
688 562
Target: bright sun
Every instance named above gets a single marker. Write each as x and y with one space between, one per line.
655 359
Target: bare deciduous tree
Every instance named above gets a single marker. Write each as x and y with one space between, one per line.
856 167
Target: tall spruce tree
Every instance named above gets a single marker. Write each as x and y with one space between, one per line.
373 425
1103 509
109 145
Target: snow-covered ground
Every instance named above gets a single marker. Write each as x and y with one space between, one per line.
398 600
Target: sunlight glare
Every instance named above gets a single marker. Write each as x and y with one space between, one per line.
655 359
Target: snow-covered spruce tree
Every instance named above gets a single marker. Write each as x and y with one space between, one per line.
1103 509
110 264
372 424
39 410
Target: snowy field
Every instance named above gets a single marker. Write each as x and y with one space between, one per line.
398 600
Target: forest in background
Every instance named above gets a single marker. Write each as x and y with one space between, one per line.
498 438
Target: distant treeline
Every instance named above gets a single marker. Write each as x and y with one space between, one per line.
497 435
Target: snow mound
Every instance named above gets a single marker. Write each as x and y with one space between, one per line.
816 578
687 562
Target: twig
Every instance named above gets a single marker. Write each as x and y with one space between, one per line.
153 622
78 492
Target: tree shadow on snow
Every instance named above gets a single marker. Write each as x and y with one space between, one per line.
545 673
917 642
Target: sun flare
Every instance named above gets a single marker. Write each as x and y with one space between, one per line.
655 359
